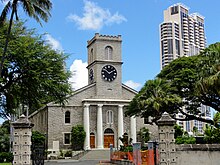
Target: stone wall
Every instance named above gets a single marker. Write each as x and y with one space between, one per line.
40 120
185 154
57 126
204 154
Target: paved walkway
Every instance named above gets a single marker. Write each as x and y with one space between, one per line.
76 162
97 155
93 157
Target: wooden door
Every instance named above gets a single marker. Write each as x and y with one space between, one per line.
108 139
92 141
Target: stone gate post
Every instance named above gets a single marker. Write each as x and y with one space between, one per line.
167 149
22 141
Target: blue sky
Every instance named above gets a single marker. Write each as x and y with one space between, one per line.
73 22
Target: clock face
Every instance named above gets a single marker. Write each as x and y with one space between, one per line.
91 76
109 73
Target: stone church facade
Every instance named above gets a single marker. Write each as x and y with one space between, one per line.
99 106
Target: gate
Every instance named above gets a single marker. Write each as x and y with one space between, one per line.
38 154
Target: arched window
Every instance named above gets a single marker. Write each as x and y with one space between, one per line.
108 53
108 131
109 117
67 117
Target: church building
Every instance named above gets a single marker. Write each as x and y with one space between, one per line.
99 107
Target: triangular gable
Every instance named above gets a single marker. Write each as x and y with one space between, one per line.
87 92
129 89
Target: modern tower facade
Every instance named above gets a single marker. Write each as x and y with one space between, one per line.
182 34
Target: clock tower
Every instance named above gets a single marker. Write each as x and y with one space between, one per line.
104 65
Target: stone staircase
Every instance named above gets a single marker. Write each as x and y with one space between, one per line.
97 155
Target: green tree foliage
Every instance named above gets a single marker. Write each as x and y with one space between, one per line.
182 137
33 73
208 87
195 131
78 137
216 120
178 131
126 143
5 137
153 100
185 140
6 125
187 83
38 10
144 135
5 142
37 138
212 134
6 157
197 81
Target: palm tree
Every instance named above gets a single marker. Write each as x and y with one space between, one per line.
153 100
38 9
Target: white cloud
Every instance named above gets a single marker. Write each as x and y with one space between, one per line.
95 17
79 76
55 44
133 85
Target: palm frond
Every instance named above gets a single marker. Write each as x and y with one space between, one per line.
39 12
5 12
28 7
45 4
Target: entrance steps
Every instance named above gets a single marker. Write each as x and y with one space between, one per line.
97 155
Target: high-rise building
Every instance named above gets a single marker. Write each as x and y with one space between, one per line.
182 34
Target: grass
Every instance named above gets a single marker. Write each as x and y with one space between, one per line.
5 163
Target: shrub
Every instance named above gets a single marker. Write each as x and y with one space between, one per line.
4 140
178 131
144 135
128 149
6 156
212 134
185 140
37 138
78 137
68 154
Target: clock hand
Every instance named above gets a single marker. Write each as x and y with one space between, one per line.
107 71
111 71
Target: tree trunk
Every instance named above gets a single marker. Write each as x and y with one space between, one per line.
7 38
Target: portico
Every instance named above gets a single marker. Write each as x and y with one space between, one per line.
106 123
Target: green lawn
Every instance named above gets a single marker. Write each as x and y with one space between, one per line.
5 163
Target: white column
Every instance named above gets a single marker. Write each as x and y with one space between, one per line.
120 123
99 127
86 126
133 129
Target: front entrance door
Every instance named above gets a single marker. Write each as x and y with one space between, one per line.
92 140
108 138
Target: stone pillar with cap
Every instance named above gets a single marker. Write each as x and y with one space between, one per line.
167 148
22 141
